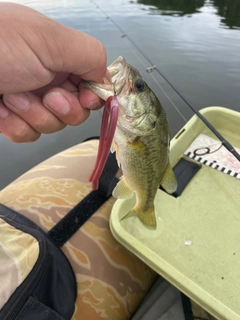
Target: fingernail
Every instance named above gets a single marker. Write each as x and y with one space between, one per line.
56 102
3 112
94 104
18 101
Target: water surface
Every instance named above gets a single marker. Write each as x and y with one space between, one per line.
196 44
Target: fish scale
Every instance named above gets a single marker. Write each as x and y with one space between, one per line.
140 140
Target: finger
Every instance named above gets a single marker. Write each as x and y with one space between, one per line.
88 99
63 80
58 80
75 79
43 48
66 106
70 50
14 128
69 85
29 107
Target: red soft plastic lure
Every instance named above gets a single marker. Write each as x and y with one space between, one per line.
108 126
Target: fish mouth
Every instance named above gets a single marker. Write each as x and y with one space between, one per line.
117 67
119 71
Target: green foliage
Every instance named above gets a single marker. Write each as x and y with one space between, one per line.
229 10
175 7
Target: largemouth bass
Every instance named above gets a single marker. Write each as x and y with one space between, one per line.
141 139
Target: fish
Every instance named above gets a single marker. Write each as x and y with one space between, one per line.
141 139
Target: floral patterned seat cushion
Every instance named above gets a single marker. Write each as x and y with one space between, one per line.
111 281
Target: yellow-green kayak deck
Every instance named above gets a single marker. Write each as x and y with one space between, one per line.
196 246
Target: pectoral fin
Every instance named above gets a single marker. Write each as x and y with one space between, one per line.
122 190
169 182
114 147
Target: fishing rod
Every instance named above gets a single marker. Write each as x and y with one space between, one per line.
152 67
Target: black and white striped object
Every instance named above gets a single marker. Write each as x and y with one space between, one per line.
211 153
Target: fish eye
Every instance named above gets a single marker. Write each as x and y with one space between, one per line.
139 85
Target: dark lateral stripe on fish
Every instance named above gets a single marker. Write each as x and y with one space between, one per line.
213 165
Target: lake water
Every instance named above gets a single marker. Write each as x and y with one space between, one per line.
196 44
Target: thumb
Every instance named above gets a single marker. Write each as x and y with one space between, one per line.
74 52
57 47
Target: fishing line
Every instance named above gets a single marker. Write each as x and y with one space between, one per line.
153 67
157 83
108 17
149 69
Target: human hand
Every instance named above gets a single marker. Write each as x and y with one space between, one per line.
42 63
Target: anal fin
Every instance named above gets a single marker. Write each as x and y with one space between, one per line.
122 190
169 182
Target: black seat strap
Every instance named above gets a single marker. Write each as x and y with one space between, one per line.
78 215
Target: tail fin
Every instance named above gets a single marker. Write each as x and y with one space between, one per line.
147 217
